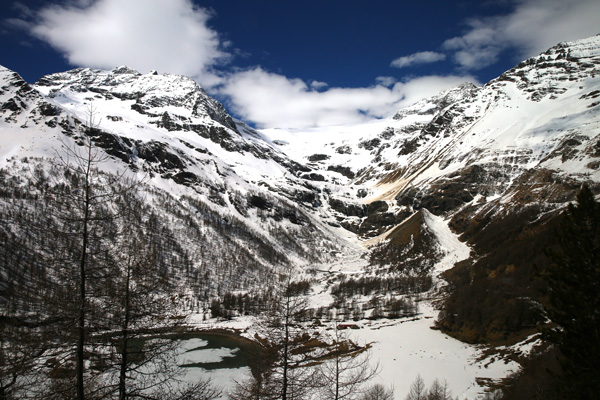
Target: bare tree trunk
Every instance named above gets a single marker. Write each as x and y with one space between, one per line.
82 277
337 365
286 342
124 361
344 375
81 326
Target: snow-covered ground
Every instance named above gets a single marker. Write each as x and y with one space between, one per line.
403 348
407 347
453 249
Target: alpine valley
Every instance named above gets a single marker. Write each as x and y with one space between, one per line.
426 231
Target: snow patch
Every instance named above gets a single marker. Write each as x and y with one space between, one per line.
453 249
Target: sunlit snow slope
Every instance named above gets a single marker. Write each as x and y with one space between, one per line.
473 174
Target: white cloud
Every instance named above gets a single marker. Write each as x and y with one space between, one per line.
386 81
169 36
173 36
317 85
423 57
532 27
273 100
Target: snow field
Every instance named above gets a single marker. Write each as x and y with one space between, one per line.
407 347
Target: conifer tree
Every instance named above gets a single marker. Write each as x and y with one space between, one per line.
574 285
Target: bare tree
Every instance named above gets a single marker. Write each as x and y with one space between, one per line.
287 375
141 306
378 392
20 343
418 391
27 317
292 376
83 217
142 303
19 349
87 208
260 385
349 367
439 391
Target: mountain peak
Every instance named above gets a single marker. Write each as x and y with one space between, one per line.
151 92
592 44
553 71
10 77
435 103
15 93
125 70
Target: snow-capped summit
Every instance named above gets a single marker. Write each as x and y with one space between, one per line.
438 102
521 120
15 93
152 93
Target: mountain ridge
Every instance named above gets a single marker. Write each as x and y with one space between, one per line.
466 186
453 154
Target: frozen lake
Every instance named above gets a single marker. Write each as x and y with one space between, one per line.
218 357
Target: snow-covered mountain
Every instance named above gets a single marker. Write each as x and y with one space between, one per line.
497 162
237 206
472 143
185 150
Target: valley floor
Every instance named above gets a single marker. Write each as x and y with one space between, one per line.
407 347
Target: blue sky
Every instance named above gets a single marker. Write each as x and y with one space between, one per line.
294 64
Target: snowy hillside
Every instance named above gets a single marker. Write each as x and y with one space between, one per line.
433 218
541 114
179 142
